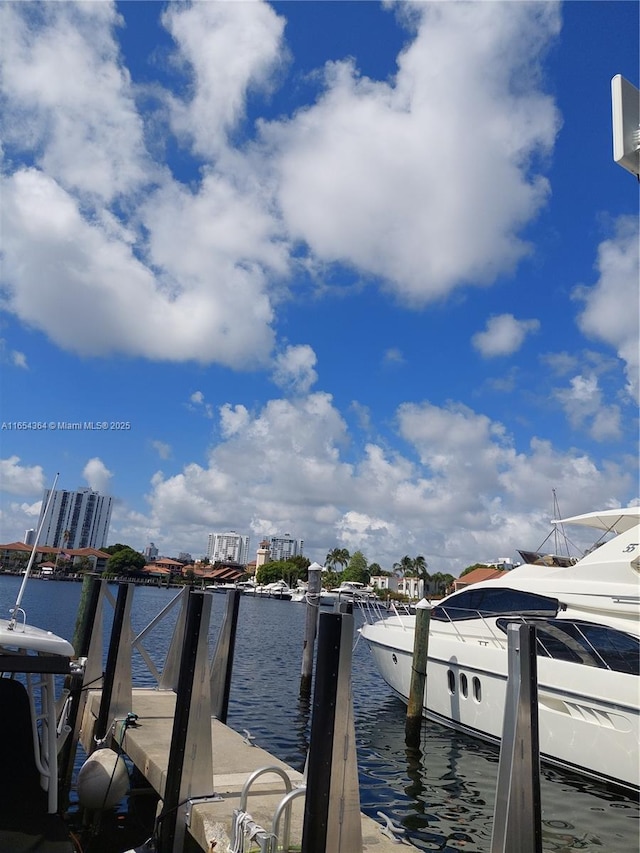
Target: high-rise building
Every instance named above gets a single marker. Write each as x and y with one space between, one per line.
75 519
228 547
29 536
151 552
284 547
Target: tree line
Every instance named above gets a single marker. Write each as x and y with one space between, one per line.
344 566
341 565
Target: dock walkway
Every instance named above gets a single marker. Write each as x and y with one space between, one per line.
234 759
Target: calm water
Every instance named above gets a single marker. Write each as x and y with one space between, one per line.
443 793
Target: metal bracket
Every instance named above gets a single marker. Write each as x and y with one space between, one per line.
197 801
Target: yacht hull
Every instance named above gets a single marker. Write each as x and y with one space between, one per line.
466 687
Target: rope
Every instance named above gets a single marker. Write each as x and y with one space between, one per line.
246 829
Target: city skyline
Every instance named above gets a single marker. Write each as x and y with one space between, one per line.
367 272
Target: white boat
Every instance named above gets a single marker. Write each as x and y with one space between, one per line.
587 617
324 597
352 591
34 722
30 660
276 589
244 587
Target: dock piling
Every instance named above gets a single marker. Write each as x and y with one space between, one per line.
413 723
332 822
86 618
170 672
222 662
517 823
311 627
190 763
117 686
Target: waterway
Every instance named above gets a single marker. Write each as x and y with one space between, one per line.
442 793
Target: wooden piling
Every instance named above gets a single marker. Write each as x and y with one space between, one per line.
416 702
81 640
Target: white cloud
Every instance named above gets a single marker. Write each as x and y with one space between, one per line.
12 356
393 356
97 475
96 225
462 492
197 402
17 479
162 448
89 274
606 424
69 99
584 405
503 335
294 369
398 179
19 359
230 49
612 305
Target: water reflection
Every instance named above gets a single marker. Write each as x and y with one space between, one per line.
443 793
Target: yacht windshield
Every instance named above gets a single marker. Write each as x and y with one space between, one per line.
586 643
486 602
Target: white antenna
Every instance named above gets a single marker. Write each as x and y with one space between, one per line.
27 571
625 105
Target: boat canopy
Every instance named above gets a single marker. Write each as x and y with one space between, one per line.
616 520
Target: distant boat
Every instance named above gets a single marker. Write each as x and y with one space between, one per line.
278 589
587 617
245 587
352 591
324 597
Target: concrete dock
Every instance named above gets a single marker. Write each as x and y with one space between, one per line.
234 760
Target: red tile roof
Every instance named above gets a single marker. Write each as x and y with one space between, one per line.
50 549
478 575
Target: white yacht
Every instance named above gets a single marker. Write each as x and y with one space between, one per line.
322 598
277 589
587 617
352 591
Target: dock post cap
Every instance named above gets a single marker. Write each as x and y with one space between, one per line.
423 604
316 567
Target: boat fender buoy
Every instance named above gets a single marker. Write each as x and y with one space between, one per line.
103 780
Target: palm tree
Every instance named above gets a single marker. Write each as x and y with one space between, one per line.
338 557
344 558
404 568
420 565
333 558
441 582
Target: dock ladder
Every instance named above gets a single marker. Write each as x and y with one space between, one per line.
245 830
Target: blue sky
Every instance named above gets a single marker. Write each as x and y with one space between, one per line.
365 274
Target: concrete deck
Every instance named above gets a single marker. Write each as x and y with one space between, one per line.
234 760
